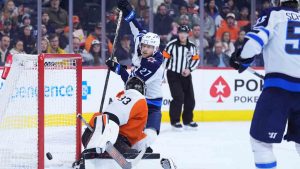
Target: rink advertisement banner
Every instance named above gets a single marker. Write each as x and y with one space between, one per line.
219 93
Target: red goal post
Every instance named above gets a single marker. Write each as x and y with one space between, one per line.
39 103
41 80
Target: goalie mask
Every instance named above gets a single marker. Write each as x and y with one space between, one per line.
137 84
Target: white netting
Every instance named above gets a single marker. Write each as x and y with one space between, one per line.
19 113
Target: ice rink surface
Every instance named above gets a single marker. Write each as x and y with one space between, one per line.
217 145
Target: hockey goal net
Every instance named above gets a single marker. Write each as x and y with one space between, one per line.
39 102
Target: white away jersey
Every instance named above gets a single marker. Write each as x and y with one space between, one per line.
277 34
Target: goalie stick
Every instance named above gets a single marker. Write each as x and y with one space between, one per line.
114 153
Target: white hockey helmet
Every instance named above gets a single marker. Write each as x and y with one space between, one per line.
278 2
151 39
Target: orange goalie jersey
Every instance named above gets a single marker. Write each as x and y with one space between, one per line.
130 107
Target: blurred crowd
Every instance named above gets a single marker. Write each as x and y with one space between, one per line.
225 24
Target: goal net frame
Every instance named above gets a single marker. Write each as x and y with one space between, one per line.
41 103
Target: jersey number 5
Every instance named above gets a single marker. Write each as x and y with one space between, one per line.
292 34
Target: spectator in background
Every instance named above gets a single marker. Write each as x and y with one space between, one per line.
18 47
218 58
111 25
44 45
228 46
232 7
76 46
144 20
162 22
243 21
240 41
28 40
222 16
174 32
45 21
229 26
180 2
184 20
54 45
26 21
7 29
183 10
77 29
192 7
86 57
172 9
58 16
265 5
212 9
141 7
124 51
209 27
10 11
195 38
5 43
64 38
97 35
95 53
44 31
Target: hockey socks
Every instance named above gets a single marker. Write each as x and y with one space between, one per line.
263 155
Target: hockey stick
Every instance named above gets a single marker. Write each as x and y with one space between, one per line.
111 57
255 73
120 159
114 153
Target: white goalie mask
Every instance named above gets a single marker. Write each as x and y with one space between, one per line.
151 39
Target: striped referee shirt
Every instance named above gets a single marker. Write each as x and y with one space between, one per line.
179 57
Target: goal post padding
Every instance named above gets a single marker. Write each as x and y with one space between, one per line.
39 102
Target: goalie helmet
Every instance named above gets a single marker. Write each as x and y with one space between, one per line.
151 39
137 84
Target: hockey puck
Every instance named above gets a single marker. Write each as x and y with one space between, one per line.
49 156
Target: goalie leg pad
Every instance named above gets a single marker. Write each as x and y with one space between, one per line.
105 130
298 148
263 154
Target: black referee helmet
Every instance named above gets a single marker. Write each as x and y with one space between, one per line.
184 28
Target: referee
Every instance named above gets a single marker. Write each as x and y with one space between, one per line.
181 59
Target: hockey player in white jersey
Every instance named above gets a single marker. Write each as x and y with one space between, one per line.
147 65
277 35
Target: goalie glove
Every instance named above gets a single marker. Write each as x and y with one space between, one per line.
7 66
126 8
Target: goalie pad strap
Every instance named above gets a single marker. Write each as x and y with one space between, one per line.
113 117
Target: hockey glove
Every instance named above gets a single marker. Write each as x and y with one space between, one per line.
238 63
115 66
126 8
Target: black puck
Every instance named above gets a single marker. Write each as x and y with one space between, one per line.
49 156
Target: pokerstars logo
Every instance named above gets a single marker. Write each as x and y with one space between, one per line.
220 89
